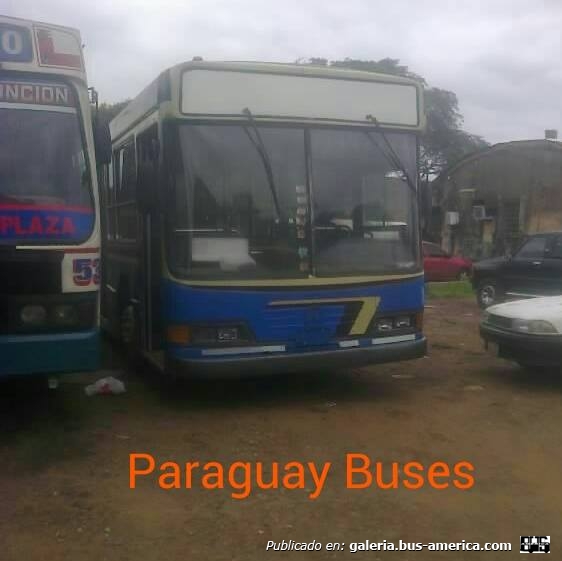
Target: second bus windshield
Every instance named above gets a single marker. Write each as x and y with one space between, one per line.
355 214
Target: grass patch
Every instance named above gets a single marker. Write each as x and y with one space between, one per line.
454 289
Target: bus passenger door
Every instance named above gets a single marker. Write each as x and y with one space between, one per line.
148 154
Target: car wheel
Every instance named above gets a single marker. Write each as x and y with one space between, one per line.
488 293
463 275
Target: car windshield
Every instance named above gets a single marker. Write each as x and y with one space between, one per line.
338 207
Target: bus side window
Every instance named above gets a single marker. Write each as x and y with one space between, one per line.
147 171
126 227
127 190
111 187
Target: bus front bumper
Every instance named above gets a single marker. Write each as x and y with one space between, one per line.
240 366
54 353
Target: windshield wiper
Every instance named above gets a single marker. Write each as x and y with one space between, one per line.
264 156
390 154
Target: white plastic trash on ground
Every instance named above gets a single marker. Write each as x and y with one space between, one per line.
105 386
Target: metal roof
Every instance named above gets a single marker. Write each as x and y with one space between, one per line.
511 146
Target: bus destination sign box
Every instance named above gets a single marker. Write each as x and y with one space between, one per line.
35 93
55 47
15 43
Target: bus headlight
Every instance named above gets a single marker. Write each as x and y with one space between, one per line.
64 314
384 325
55 313
228 334
33 314
402 321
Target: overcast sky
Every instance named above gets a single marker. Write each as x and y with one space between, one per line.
503 58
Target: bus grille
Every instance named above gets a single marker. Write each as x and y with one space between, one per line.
305 325
30 272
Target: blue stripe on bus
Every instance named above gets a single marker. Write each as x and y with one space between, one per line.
45 224
298 327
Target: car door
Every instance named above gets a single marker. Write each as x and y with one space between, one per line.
525 274
552 266
434 262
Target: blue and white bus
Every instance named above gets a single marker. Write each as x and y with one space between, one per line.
49 218
265 216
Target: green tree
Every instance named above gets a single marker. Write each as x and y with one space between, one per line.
107 111
444 141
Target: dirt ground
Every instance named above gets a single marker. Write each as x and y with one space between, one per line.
64 482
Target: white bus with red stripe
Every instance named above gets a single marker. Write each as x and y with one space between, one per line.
49 207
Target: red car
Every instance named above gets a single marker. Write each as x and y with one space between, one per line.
438 265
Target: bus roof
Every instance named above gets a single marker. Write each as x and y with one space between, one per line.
277 92
33 46
291 68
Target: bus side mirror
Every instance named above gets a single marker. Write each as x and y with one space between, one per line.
102 143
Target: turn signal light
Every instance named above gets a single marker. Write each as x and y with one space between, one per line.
179 334
183 334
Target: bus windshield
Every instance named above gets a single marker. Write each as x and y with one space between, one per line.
364 210
341 207
42 161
